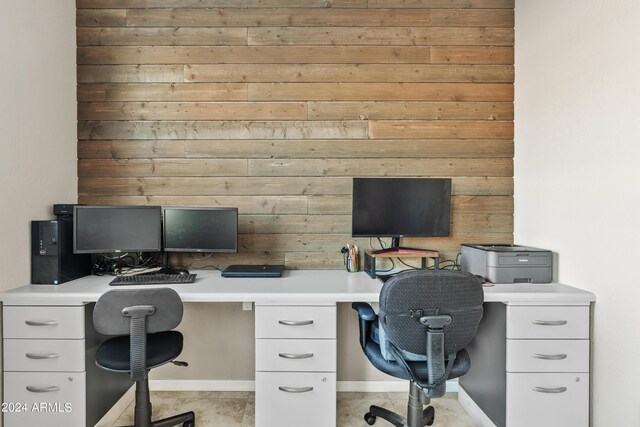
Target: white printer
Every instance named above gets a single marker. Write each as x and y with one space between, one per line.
507 263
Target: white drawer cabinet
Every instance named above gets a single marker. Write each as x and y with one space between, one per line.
295 365
529 366
44 365
547 365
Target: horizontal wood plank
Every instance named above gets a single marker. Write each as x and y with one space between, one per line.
307 242
246 204
151 4
295 148
476 204
442 4
234 186
264 186
384 110
192 111
440 129
380 91
381 167
140 168
348 73
162 92
121 36
222 130
301 17
130 73
381 36
119 55
472 55
101 17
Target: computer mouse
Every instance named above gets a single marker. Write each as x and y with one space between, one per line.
182 271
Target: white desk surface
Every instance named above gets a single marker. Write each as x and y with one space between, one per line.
305 286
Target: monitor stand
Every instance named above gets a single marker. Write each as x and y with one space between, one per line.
399 251
166 269
395 248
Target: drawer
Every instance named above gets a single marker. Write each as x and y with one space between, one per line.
548 322
56 399
43 322
296 322
287 399
44 355
547 355
296 355
552 400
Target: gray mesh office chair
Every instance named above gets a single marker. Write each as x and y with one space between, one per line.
426 318
143 319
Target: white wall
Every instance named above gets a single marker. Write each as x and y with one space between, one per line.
577 175
37 123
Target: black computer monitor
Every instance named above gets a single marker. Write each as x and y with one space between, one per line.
102 229
200 229
401 207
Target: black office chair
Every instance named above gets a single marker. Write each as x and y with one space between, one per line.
143 318
426 319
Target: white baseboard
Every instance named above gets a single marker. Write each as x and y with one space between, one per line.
236 385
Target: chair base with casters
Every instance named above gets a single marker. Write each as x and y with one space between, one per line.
417 414
147 316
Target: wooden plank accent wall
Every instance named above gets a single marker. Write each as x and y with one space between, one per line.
274 105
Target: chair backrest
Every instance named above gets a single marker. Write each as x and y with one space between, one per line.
109 320
413 294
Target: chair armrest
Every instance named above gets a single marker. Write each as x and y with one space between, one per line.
366 316
365 311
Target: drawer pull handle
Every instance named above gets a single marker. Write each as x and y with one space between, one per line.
49 389
549 356
295 322
295 389
550 390
295 356
41 322
42 355
549 322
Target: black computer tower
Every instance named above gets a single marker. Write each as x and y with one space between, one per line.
52 258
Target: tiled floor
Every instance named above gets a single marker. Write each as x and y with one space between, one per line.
236 409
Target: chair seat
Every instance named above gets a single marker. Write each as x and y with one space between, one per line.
161 348
372 351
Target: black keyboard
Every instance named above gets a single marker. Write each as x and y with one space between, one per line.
153 279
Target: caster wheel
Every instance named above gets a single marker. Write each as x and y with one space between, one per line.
370 418
428 416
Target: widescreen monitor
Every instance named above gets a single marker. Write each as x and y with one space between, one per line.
200 229
106 229
401 207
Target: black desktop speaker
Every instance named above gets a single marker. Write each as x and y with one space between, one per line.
52 258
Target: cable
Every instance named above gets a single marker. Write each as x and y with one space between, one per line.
190 255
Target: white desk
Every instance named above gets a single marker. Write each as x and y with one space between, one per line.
70 304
